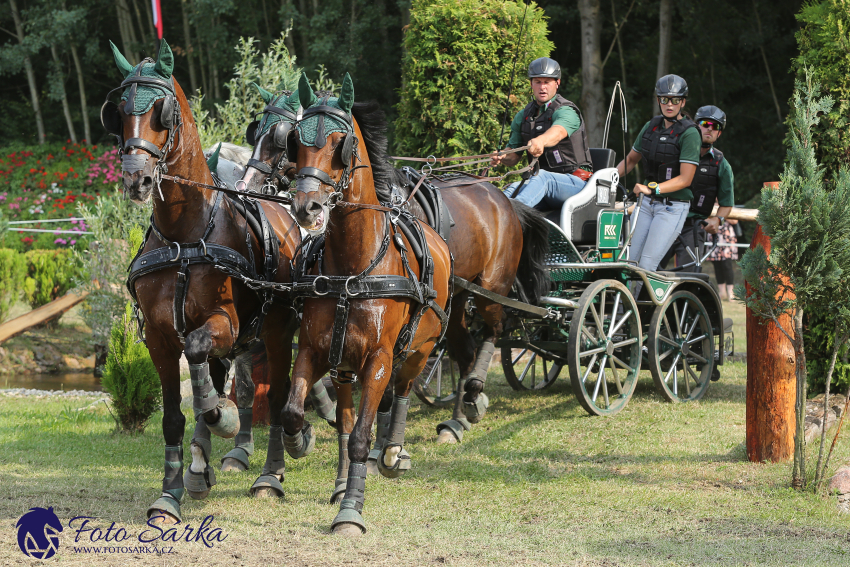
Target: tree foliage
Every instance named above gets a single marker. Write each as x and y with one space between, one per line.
130 376
456 73
809 263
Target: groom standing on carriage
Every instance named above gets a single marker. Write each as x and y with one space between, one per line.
554 130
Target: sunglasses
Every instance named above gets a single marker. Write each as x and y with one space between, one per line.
670 100
709 125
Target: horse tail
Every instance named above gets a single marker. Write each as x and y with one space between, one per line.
532 273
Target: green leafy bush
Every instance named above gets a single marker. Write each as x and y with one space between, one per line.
456 73
118 227
130 377
50 274
13 270
825 53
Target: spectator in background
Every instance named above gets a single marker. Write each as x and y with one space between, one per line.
724 258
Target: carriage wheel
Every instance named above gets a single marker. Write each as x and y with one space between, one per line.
436 385
527 369
681 348
605 347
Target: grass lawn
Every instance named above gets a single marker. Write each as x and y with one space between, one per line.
537 482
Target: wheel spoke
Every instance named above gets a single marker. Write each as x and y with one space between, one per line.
513 363
675 381
626 342
672 367
685 377
670 342
698 357
623 320
666 354
613 368
670 329
676 319
591 351
692 373
696 340
437 362
589 368
600 378
623 364
528 365
614 311
587 333
684 316
604 387
599 327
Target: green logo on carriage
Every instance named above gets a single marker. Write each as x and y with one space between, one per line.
659 288
610 225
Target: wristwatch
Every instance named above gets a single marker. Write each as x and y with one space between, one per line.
653 186
722 220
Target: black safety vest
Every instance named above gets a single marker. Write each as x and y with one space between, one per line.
660 148
706 183
571 153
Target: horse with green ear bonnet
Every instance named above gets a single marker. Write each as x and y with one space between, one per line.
143 85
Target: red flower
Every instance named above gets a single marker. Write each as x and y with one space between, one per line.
32 170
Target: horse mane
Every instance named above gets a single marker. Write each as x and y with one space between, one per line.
373 126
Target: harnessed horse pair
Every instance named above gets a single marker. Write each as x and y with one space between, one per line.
365 263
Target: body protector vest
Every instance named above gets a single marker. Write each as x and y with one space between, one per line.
706 183
571 153
660 148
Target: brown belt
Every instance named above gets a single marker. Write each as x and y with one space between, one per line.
582 174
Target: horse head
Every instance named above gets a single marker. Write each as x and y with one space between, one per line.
145 121
327 136
273 138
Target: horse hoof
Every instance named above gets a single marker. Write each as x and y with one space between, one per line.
474 411
348 530
394 462
446 437
227 425
198 495
232 465
162 518
265 493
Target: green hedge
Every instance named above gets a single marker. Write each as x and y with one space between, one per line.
13 271
456 73
50 274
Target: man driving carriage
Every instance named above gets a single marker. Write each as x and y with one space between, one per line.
713 181
554 130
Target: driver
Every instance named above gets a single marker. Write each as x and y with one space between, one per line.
553 128
712 182
669 144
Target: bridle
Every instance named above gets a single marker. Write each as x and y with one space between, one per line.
348 154
280 140
170 118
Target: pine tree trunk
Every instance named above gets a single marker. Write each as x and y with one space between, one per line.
766 66
838 342
187 39
129 33
142 28
592 103
289 41
36 107
302 29
665 29
65 107
798 479
268 24
82 85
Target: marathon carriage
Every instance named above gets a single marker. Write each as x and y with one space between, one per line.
592 323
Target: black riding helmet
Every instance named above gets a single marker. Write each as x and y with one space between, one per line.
711 112
671 85
544 67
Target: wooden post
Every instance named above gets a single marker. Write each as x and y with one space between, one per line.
771 383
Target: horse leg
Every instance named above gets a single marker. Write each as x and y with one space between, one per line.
349 521
278 334
237 459
200 476
383 418
166 509
475 401
298 438
323 404
345 423
394 461
219 413
461 348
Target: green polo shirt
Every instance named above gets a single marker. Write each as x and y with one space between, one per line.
565 117
725 186
689 146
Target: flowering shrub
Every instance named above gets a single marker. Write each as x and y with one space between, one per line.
47 182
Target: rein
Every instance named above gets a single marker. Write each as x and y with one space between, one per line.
249 194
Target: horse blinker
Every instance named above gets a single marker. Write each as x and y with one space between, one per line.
111 118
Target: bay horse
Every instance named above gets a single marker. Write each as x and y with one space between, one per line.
189 278
385 303
484 242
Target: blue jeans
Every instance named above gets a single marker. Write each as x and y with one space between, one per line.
658 225
546 189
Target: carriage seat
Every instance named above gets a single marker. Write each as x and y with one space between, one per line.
580 213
